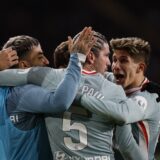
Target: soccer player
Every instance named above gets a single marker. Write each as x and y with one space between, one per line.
22 129
130 61
79 133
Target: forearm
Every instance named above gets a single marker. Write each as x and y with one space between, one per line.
68 87
122 112
35 99
56 102
13 77
34 75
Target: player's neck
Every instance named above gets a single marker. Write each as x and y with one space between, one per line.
89 67
137 82
137 85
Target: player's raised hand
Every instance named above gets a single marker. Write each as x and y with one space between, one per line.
83 43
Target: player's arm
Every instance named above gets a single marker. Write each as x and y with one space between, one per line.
66 90
36 75
13 77
38 100
121 112
126 144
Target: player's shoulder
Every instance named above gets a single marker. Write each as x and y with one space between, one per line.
114 90
110 80
109 76
152 89
113 85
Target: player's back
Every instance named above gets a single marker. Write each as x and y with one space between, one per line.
80 134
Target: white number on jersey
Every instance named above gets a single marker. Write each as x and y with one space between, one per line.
67 126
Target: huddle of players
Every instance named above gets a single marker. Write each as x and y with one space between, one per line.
100 118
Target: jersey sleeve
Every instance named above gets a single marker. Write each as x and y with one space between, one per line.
34 75
14 77
38 100
34 99
120 112
126 144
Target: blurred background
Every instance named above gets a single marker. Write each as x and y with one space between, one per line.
52 21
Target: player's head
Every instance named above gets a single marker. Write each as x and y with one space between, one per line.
28 50
61 55
98 57
130 60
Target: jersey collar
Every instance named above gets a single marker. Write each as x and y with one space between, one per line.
132 90
88 72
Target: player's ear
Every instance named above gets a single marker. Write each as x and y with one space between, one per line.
90 57
23 64
141 67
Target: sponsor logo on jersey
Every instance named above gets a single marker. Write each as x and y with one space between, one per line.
141 101
59 155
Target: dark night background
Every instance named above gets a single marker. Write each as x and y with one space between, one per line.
52 21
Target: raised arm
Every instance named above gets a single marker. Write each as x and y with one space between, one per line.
63 96
36 75
38 100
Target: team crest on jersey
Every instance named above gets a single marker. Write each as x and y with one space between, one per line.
141 101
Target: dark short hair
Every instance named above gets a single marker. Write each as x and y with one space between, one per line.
61 55
23 44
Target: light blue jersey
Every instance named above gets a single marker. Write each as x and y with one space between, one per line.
81 134
23 134
87 133
145 132
3 115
